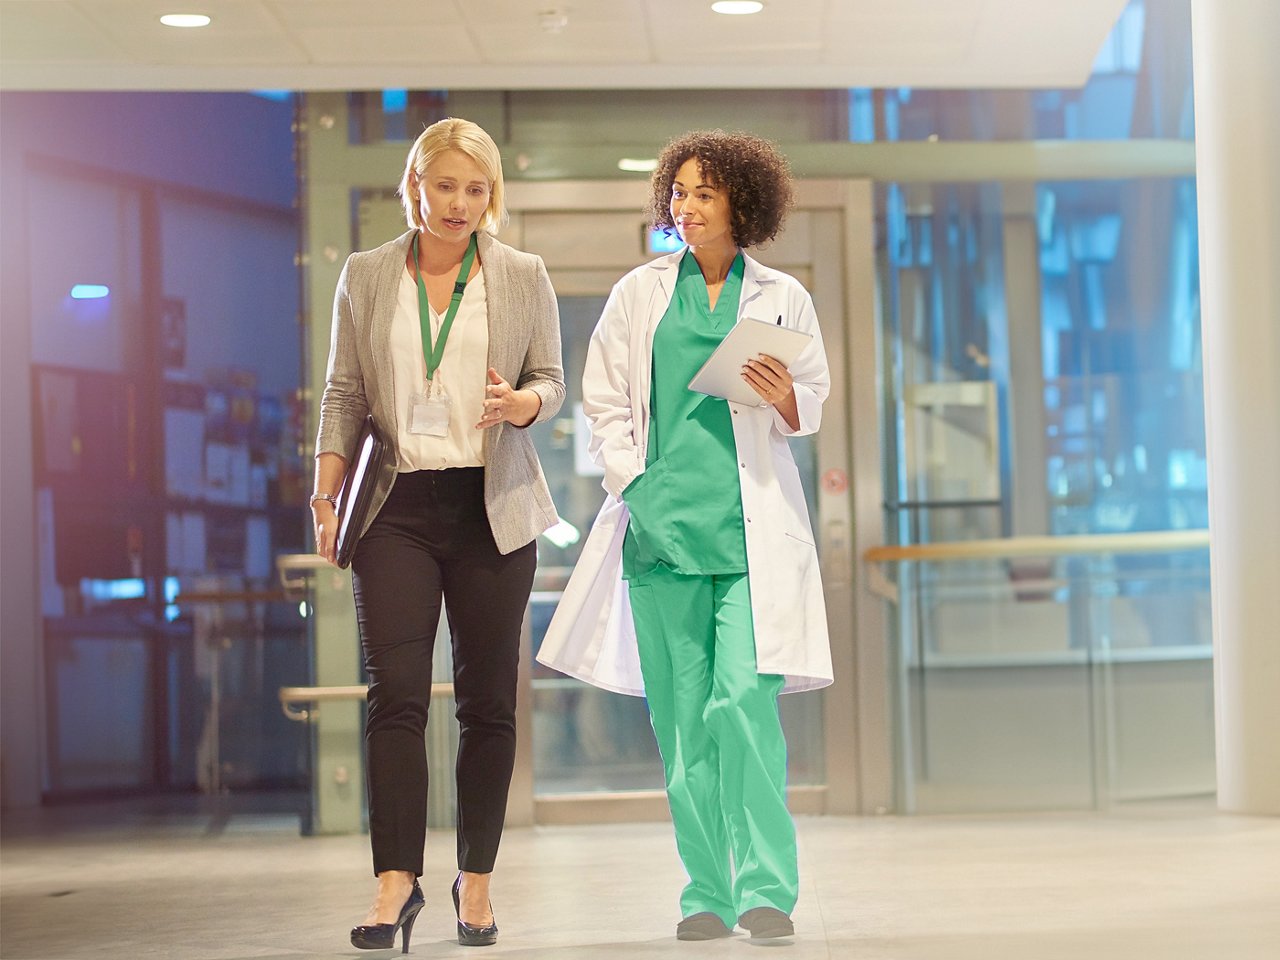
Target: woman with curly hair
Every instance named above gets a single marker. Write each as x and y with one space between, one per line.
698 587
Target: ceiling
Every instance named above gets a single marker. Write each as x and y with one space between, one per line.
514 44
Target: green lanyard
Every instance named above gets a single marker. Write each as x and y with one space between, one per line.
434 354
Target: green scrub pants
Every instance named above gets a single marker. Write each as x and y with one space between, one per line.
717 725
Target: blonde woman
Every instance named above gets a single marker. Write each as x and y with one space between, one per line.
450 340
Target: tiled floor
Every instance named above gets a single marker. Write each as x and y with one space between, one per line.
1179 883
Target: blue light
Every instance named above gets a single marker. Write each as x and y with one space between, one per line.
395 101
90 291
128 589
660 240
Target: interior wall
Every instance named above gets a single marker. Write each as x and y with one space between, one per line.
234 272
235 146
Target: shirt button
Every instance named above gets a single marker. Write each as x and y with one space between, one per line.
742 464
748 519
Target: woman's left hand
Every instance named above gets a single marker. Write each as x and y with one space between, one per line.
769 378
518 407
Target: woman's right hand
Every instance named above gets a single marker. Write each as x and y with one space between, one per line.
325 522
330 470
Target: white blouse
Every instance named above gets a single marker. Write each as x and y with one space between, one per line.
463 373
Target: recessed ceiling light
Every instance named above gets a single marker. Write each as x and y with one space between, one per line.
632 165
737 8
185 20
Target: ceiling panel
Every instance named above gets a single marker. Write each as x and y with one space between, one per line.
590 44
1062 34
40 30
946 44
756 44
496 12
592 32
504 44
441 44
242 32
410 14
693 29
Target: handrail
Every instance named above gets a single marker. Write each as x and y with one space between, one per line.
286 562
230 596
291 695
1162 541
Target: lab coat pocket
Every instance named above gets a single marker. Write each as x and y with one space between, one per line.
794 510
644 497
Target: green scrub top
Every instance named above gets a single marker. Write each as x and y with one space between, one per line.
686 508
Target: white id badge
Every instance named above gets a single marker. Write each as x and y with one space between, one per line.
429 415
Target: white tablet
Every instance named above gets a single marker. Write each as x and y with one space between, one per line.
721 375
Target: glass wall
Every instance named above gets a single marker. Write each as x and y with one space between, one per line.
1124 387
1105 297
165 363
1042 378
1139 88
584 739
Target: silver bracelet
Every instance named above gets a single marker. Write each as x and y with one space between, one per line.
330 498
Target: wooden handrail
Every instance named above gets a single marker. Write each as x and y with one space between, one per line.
1163 541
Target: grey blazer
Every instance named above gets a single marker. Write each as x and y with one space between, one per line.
524 347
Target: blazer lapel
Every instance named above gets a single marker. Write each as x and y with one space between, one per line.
497 292
386 285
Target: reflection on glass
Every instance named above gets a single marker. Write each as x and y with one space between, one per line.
1083 687
1043 377
1124 392
585 739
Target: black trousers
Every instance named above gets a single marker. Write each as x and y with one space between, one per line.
431 540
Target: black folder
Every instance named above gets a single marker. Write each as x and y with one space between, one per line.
372 453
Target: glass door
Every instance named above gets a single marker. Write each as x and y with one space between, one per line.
585 740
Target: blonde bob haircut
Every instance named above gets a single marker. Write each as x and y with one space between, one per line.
467 138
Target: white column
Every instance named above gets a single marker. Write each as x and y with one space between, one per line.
1237 101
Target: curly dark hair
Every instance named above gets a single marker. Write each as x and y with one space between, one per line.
756 176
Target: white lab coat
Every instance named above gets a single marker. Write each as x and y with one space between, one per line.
592 635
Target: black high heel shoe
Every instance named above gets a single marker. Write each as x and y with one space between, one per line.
381 936
468 935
